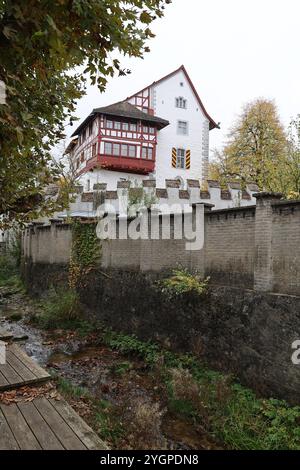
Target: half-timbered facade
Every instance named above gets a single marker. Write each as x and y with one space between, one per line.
161 132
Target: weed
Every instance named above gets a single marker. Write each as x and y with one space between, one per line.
143 423
182 282
230 412
61 310
68 389
121 368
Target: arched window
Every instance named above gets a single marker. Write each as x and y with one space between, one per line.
181 102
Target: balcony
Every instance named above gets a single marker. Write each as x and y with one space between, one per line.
124 164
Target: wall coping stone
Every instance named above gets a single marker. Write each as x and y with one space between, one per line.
193 183
173 184
268 195
123 184
149 183
213 184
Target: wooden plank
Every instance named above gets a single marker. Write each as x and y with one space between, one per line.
3 381
11 375
7 440
38 371
20 429
81 429
19 367
41 430
63 432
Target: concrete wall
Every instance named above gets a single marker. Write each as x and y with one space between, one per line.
285 252
229 246
253 247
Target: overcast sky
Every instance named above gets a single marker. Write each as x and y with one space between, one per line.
234 51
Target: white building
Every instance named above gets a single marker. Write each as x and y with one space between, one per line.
161 132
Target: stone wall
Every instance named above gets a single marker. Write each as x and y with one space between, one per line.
234 330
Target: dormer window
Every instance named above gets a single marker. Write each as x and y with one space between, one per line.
181 102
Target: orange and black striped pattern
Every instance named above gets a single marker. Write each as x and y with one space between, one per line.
188 159
174 158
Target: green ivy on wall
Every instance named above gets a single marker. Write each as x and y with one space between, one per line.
85 252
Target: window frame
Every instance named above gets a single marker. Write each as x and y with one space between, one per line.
181 102
182 130
147 153
135 127
105 151
181 158
121 152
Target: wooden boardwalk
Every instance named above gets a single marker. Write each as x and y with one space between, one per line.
20 370
45 424
42 423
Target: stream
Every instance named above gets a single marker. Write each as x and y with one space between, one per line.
107 374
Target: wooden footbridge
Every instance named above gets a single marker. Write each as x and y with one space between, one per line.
42 423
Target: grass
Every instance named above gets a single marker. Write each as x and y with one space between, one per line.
61 309
9 273
230 412
8 270
121 368
69 390
102 419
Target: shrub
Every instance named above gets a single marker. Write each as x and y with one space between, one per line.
183 282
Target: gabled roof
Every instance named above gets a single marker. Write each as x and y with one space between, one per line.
124 109
212 123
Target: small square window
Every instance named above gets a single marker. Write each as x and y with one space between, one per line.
117 125
151 130
133 127
109 124
125 126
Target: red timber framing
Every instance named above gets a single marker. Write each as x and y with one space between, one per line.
131 138
142 100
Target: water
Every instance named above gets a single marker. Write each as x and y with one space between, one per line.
98 369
